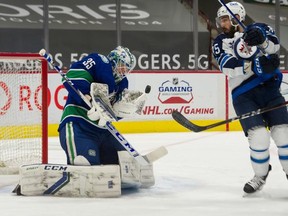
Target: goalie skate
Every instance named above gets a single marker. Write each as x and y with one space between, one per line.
256 183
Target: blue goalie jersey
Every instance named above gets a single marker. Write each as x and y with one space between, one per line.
92 68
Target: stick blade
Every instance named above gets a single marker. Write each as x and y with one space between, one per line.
156 154
182 120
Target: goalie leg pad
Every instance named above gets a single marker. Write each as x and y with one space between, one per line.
133 174
70 181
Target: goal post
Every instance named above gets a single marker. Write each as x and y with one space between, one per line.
23 110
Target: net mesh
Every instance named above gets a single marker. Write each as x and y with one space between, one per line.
20 112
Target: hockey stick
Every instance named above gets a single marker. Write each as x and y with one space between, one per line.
138 157
182 120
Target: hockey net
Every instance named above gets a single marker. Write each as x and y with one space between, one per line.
23 111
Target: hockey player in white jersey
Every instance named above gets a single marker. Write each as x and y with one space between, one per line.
249 58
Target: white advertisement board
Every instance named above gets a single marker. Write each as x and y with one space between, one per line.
198 95
202 95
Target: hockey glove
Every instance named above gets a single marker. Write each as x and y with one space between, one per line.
265 64
254 36
93 114
130 104
96 113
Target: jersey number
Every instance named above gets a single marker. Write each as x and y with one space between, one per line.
89 63
216 49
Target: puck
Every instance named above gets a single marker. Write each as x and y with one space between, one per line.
147 89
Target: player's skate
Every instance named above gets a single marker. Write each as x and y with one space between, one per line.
256 183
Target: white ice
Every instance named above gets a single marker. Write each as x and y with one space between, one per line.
202 175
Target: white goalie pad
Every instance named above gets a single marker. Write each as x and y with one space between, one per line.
70 181
131 104
133 174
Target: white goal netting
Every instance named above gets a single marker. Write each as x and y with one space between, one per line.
23 118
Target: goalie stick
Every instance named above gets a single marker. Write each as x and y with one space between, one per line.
182 120
138 157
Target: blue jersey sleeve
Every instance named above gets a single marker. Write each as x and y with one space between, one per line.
93 68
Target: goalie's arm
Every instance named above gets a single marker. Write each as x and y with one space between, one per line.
81 84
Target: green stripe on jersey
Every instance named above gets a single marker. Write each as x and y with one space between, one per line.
70 140
75 111
79 74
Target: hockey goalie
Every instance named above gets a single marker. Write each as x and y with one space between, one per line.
99 160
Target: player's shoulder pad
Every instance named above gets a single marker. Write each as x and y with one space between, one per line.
219 38
263 26
99 57
217 44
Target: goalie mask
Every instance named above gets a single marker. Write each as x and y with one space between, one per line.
123 62
236 8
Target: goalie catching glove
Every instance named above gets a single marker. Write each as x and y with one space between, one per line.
131 103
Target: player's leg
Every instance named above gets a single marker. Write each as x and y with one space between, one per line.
132 173
259 141
109 149
279 134
278 124
79 144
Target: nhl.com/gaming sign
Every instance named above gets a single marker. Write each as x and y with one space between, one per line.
175 92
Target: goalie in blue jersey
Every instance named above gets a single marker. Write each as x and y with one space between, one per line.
249 58
98 164
83 134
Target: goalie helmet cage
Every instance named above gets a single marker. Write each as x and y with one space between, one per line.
23 111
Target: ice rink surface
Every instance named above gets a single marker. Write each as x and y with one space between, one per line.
203 174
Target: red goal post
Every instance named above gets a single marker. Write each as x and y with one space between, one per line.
23 110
